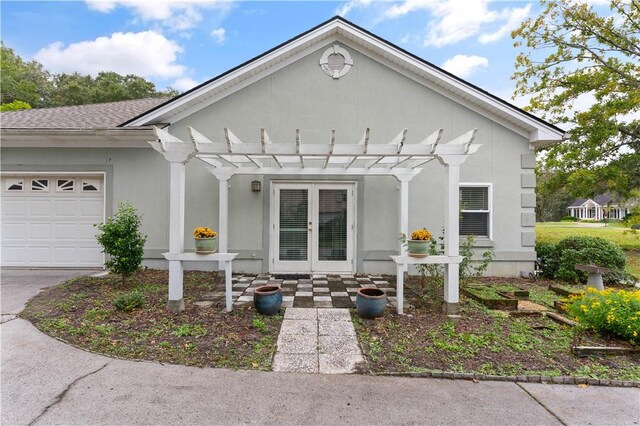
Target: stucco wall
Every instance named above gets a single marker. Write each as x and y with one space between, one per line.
302 96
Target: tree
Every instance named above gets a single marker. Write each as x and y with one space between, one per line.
574 55
14 106
23 81
122 240
29 82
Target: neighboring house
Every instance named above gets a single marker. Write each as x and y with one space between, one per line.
597 208
64 169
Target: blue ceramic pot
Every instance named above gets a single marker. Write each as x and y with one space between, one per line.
371 302
267 299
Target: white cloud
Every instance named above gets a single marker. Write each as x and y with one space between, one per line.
451 21
184 83
177 15
463 66
219 34
350 5
147 54
514 18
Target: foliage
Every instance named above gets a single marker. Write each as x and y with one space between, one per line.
129 301
421 235
122 240
615 312
552 195
14 106
30 83
23 81
633 218
572 53
432 275
569 219
204 232
561 259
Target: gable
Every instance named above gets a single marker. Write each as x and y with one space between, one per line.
338 30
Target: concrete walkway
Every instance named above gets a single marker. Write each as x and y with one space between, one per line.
45 381
317 341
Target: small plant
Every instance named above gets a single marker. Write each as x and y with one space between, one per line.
129 301
260 325
204 232
122 240
615 312
190 330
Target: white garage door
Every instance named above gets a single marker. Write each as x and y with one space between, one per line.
47 221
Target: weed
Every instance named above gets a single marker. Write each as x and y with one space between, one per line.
190 330
129 301
260 325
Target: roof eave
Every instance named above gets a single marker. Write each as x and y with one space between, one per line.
77 138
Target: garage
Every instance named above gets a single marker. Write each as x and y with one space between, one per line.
48 220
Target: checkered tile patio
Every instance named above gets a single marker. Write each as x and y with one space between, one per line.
319 291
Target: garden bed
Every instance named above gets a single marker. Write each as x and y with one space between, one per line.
493 297
82 313
485 342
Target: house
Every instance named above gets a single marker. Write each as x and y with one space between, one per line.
312 157
599 207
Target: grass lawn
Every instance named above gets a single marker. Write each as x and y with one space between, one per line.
485 341
82 312
628 240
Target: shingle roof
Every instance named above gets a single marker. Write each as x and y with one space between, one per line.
105 115
601 199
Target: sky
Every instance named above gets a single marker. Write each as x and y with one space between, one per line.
180 44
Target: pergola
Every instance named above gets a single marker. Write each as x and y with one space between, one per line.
234 157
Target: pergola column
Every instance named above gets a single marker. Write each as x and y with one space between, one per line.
451 305
176 234
404 209
223 214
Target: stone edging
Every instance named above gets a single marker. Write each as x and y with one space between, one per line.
558 380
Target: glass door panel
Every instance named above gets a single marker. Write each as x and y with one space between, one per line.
332 224
293 221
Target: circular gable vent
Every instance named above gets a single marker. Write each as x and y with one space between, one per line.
336 61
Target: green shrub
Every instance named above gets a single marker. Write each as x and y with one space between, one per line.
129 301
615 312
122 241
561 261
569 219
546 252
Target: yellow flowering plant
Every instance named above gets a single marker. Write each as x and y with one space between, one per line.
610 311
204 232
421 234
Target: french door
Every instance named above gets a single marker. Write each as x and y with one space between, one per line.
313 227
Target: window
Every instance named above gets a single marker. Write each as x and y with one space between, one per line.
14 185
91 185
40 185
475 206
65 185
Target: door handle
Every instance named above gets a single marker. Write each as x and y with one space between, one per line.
310 226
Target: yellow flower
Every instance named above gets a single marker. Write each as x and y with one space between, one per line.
204 232
635 334
421 234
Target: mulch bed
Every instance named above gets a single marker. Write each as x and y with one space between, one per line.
484 341
81 312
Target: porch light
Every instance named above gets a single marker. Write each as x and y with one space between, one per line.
256 186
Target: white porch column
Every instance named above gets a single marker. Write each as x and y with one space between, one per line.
223 214
176 234
404 210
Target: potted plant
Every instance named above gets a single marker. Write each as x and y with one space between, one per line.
370 302
418 245
267 299
206 240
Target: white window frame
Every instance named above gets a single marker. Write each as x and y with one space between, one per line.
10 181
489 187
58 189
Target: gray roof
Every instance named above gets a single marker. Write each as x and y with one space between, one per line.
105 115
601 199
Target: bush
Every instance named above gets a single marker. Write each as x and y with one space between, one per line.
616 312
122 241
129 301
546 253
561 261
569 219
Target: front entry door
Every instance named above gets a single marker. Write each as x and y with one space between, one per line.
313 227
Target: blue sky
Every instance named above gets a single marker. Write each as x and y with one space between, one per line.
182 43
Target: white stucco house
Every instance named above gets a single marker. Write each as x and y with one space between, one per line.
599 207
312 157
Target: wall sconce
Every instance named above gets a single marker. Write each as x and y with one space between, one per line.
256 186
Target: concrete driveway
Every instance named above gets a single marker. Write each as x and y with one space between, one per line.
45 381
